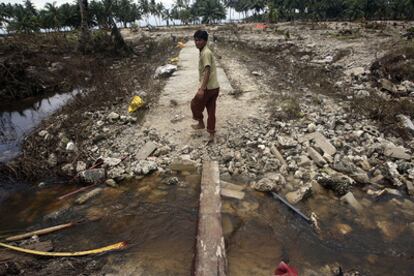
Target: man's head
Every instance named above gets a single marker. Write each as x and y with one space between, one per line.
200 38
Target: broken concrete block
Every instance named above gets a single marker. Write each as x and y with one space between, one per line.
339 183
183 164
232 193
320 142
397 152
406 123
350 199
387 85
316 157
231 186
410 188
392 174
278 155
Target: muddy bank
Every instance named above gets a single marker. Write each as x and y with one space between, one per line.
112 87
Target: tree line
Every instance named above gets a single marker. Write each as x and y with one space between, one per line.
100 13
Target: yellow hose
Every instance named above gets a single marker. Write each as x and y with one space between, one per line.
116 246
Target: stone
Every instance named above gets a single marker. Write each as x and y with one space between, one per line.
85 197
92 175
80 166
286 142
273 182
298 195
311 127
231 186
339 183
68 169
342 228
304 161
146 150
355 72
410 188
116 173
111 162
111 183
113 116
173 181
183 164
320 142
232 193
350 199
52 160
387 85
257 73
71 147
278 155
43 133
397 152
392 173
165 71
148 166
316 157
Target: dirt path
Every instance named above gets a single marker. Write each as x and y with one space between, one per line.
173 121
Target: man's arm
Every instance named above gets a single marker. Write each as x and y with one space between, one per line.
206 76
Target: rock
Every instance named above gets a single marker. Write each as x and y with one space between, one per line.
304 161
406 123
43 133
116 173
320 142
71 147
68 169
165 71
392 174
85 197
342 228
311 127
339 183
111 183
355 72
387 85
257 73
80 166
52 160
286 142
296 196
232 193
278 155
272 183
396 152
111 162
113 116
92 175
410 188
145 167
316 157
183 164
350 199
173 181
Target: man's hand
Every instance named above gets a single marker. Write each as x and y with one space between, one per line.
200 93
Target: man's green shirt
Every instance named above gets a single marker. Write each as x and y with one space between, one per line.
207 59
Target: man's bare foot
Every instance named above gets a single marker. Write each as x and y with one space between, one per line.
211 137
198 126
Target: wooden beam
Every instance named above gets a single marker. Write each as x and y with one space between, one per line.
211 254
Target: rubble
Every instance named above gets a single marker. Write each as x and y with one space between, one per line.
296 196
165 71
339 183
350 199
92 175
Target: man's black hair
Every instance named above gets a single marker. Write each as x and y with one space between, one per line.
201 35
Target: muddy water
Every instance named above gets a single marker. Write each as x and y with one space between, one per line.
159 224
18 119
157 221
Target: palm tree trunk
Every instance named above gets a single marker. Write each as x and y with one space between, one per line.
84 37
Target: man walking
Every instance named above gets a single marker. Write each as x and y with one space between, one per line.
208 89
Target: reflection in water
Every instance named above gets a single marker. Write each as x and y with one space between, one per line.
17 121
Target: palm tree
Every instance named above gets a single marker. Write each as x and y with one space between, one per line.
166 15
84 37
52 16
210 10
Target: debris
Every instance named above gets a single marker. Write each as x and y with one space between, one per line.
146 151
165 71
276 196
387 85
111 183
173 181
136 103
232 193
92 175
257 73
410 188
344 229
183 164
397 152
231 186
392 173
350 199
40 232
113 116
296 196
406 123
278 155
116 246
316 157
85 197
6 255
268 184
320 142
337 182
